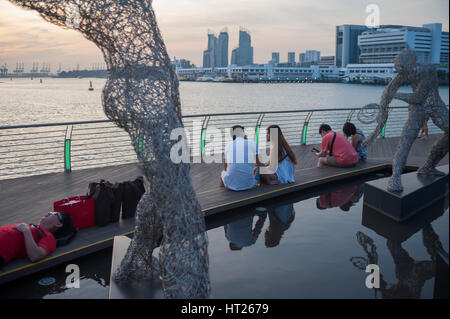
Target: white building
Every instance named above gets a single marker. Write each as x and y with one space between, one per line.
382 45
326 61
370 71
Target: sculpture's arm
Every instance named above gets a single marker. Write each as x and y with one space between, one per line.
386 98
418 97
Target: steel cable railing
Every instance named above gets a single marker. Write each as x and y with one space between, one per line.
54 147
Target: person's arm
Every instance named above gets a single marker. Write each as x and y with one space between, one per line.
355 140
324 149
225 165
321 154
34 252
259 163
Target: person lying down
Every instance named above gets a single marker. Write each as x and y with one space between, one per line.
35 242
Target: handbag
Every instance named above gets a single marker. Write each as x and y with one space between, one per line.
80 208
103 198
132 193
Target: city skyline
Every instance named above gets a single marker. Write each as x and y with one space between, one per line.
284 26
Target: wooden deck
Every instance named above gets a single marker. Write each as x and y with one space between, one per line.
27 199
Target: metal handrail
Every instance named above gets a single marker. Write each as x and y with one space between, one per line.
191 116
92 143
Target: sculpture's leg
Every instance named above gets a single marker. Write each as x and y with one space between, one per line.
439 115
143 107
409 134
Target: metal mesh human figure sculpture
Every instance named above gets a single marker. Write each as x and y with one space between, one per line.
141 96
424 101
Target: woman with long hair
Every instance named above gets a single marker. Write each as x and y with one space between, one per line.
286 161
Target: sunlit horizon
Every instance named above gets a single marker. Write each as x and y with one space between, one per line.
282 26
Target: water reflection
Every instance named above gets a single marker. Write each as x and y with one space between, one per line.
94 281
411 274
280 218
241 233
343 198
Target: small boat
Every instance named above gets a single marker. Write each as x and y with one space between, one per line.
91 88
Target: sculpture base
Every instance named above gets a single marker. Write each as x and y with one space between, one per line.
400 232
441 279
419 193
142 289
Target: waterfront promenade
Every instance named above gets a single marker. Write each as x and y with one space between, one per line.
27 199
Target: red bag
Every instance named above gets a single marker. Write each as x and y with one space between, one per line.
79 208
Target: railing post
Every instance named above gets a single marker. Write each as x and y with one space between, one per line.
305 128
67 149
383 131
141 143
257 128
350 115
203 137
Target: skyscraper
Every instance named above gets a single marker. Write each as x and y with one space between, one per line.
347 49
209 55
291 58
275 58
302 58
216 55
312 56
235 56
245 53
222 49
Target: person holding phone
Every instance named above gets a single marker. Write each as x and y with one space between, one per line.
336 149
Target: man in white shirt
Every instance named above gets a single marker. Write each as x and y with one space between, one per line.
240 155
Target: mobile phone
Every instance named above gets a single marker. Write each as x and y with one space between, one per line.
315 150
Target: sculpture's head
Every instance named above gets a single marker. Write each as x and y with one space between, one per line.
405 60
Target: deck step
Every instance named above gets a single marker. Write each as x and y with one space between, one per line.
142 289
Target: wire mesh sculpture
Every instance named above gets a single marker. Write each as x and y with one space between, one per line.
141 96
423 102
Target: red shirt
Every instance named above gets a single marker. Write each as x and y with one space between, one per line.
337 198
342 149
12 241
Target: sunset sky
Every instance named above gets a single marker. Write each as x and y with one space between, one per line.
276 25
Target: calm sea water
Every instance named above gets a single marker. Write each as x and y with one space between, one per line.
26 101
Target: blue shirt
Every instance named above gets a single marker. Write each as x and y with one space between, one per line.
361 150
